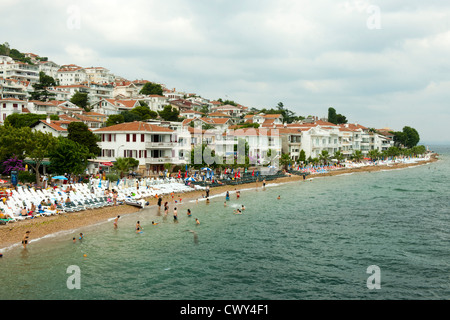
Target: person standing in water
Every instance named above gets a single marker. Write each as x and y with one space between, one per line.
115 222
227 197
25 239
175 215
189 214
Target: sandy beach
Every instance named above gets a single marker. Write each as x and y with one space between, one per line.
12 233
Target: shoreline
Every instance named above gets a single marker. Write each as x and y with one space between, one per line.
12 233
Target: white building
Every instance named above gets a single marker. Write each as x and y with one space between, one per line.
71 75
49 68
19 71
152 145
113 106
99 75
16 89
11 106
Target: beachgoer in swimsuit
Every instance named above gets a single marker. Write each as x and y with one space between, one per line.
115 222
189 212
138 227
25 239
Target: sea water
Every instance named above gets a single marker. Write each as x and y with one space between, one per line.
316 242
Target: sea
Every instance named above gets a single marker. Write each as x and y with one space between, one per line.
381 235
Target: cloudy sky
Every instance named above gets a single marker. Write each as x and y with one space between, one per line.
380 63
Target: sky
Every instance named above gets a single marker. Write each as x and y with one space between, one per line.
379 63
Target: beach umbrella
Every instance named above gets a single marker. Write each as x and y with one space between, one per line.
189 179
253 173
59 178
3 181
206 169
179 174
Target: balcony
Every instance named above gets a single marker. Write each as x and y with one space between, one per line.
159 145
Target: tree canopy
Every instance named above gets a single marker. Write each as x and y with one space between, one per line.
169 113
81 99
80 133
151 88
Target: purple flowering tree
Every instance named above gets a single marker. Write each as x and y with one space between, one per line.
13 163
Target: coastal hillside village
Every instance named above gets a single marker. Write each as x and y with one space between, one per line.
159 125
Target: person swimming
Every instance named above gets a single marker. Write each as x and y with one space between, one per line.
138 227
189 214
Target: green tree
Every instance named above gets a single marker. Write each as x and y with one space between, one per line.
285 160
38 146
412 137
80 133
40 88
144 112
123 165
169 113
357 155
302 156
114 119
374 154
332 116
151 88
338 156
324 157
68 156
81 99
18 120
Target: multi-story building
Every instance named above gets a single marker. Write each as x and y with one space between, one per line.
99 75
49 68
151 144
19 71
11 88
71 75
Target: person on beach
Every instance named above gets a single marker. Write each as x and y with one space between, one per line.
196 221
189 214
166 208
175 214
227 196
154 223
264 184
115 222
25 239
81 237
138 227
159 202
279 198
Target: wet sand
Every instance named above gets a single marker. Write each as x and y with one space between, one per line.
12 233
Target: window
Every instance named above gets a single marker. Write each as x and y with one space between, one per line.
134 137
128 137
142 137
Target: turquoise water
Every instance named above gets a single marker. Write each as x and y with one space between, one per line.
316 242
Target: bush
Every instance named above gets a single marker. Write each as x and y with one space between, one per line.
26 176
